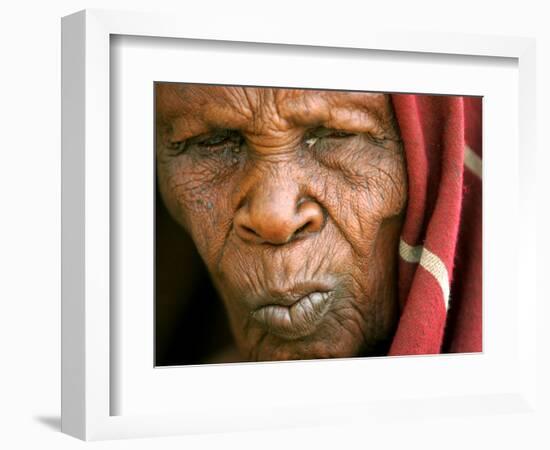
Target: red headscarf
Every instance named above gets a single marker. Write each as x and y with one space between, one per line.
440 266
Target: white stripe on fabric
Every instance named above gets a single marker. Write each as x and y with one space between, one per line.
409 253
429 261
472 161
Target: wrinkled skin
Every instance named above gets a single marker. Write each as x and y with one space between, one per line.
294 199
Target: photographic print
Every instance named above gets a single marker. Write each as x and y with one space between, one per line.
297 224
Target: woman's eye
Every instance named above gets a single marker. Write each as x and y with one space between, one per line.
325 133
223 138
177 147
220 140
339 134
216 140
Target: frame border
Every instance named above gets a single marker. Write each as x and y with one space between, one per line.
85 190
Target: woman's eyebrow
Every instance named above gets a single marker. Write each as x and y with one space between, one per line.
358 120
351 118
192 122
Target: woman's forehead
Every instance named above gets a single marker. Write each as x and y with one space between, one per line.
237 107
182 98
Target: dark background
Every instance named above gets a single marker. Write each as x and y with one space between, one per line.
191 325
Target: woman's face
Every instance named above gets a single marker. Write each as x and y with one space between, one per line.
294 199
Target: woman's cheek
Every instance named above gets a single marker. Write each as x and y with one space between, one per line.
384 193
201 206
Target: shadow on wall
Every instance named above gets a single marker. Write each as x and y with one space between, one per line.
52 422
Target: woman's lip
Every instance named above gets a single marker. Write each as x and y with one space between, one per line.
295 320
286 296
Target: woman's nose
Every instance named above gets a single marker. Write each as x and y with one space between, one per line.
276 216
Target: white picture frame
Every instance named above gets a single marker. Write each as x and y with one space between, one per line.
88 331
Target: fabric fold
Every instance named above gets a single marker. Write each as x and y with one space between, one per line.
440 249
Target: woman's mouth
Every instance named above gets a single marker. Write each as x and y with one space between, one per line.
297 319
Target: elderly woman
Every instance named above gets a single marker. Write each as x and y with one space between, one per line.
331 223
